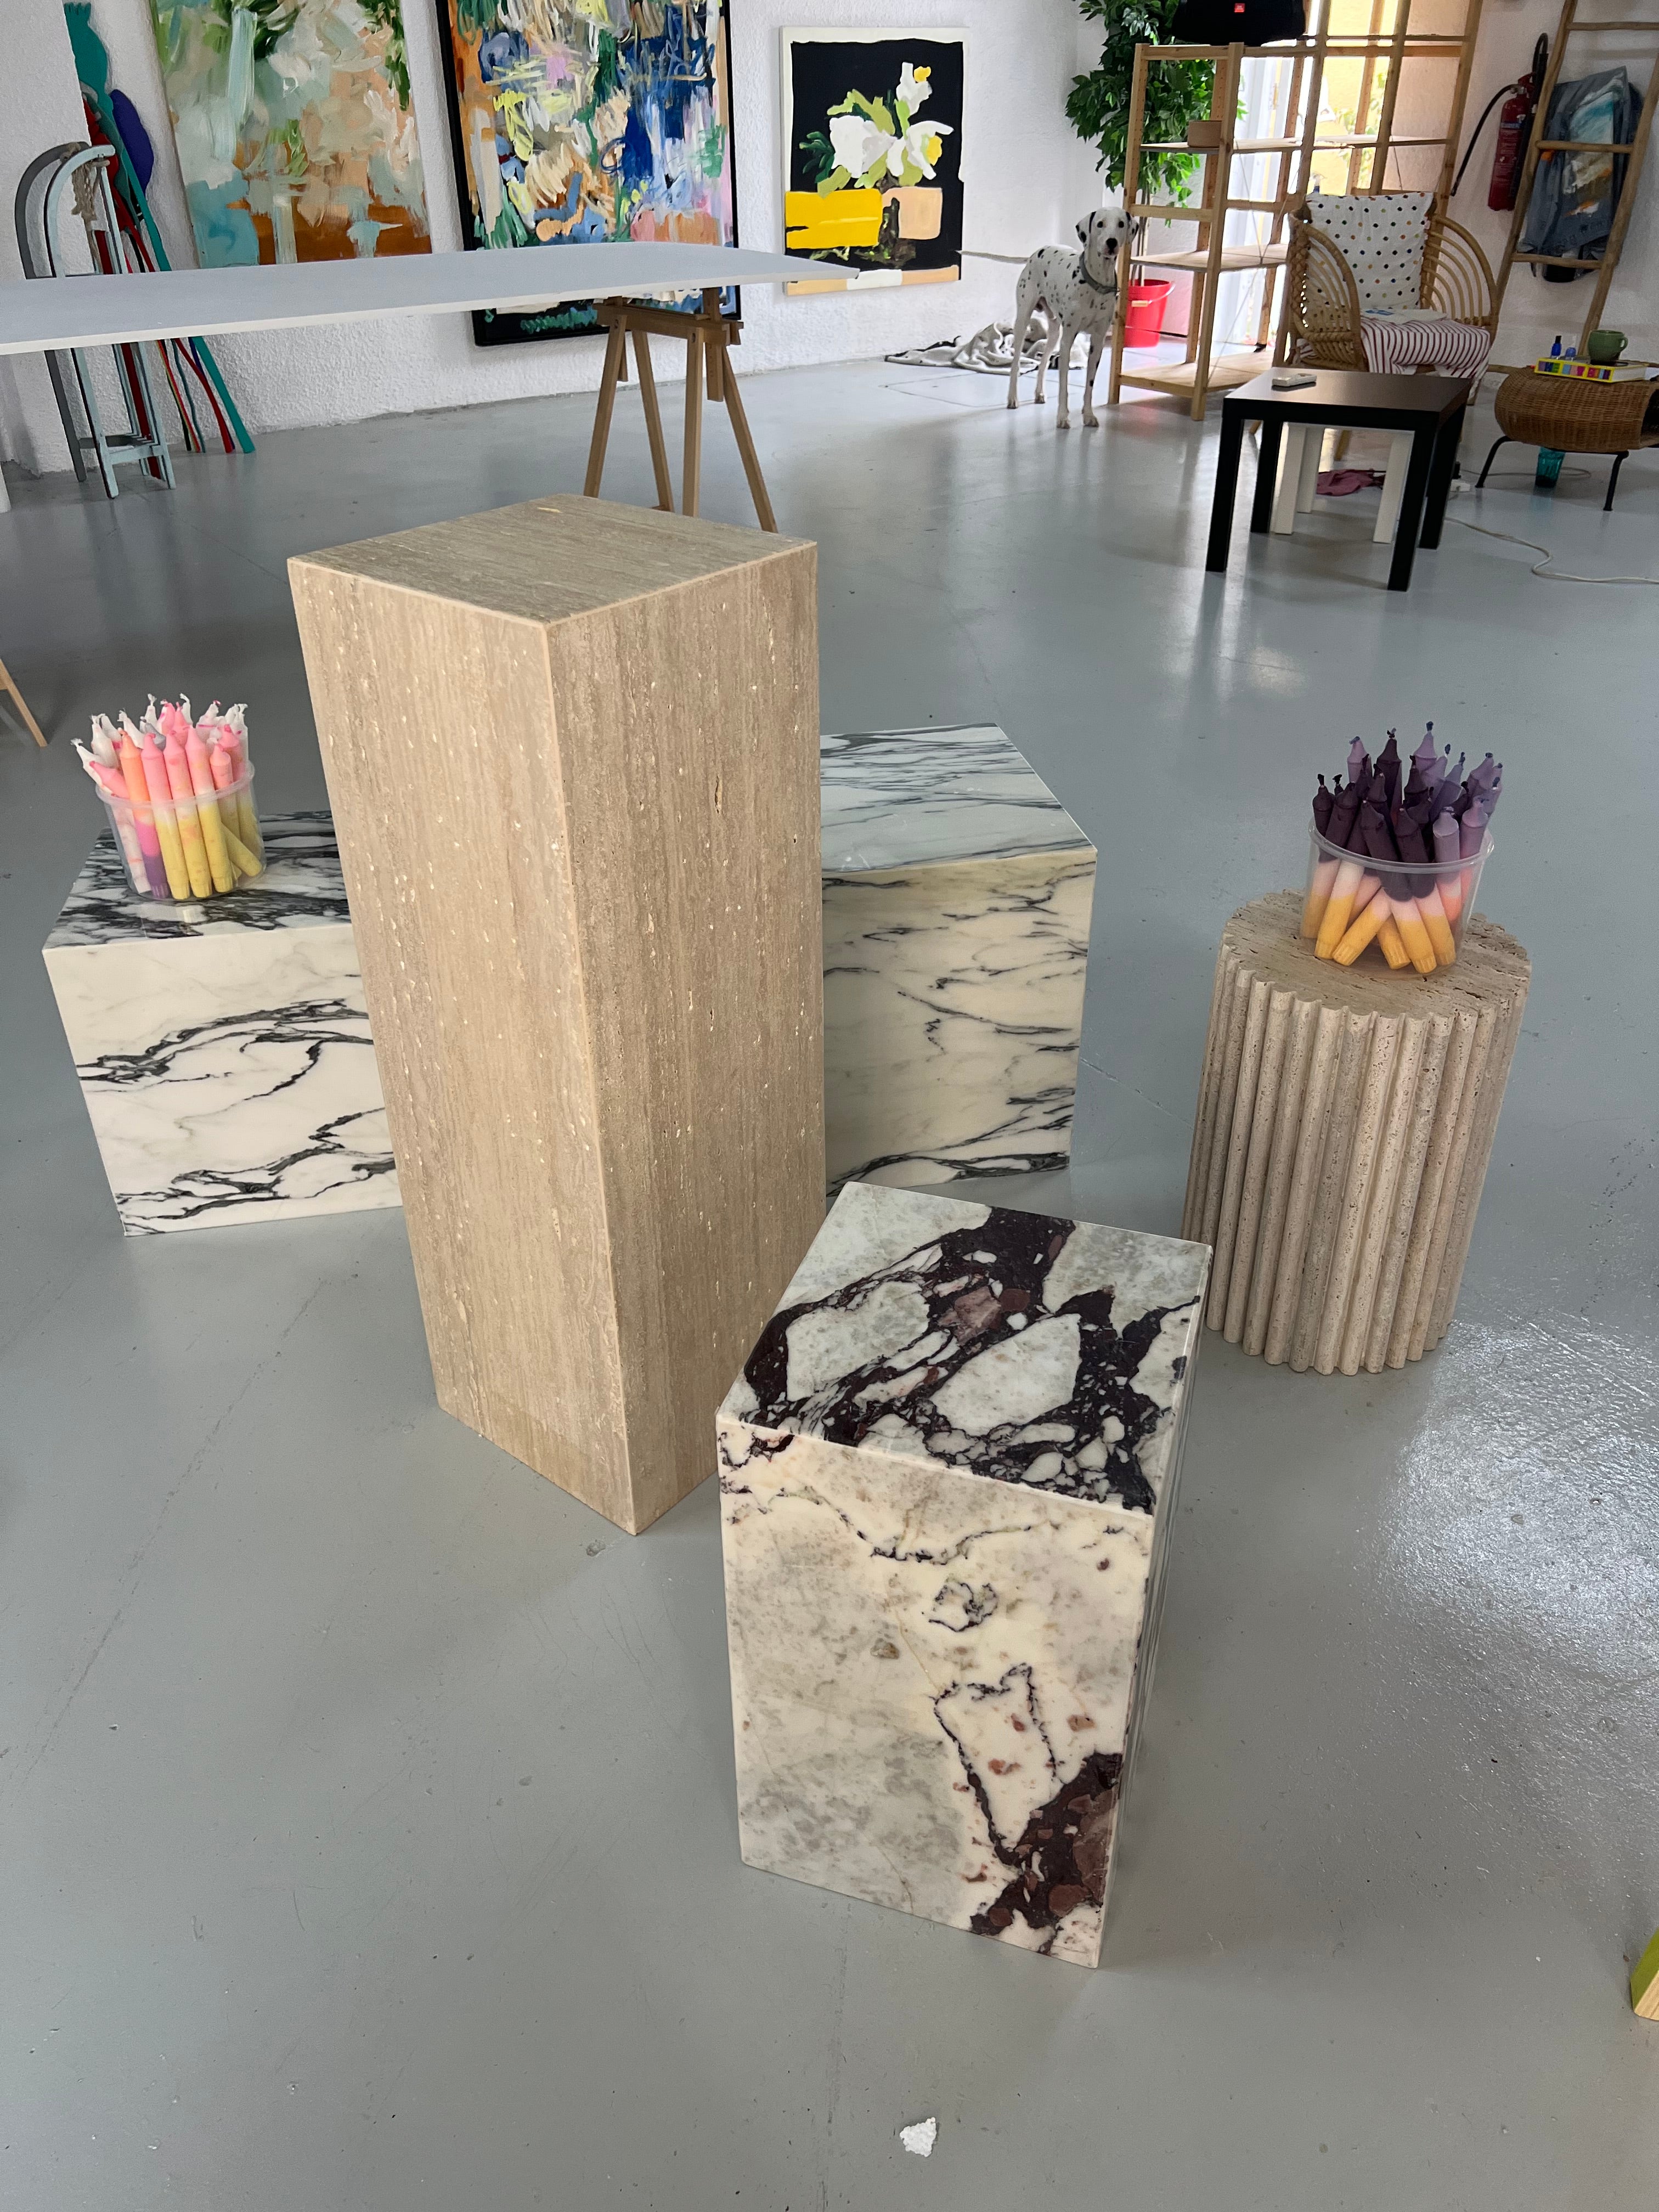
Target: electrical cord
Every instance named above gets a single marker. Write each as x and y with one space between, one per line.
1541 568
1502 92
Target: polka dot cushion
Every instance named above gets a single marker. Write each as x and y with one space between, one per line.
1382 237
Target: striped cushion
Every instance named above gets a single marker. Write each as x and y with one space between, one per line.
1394 343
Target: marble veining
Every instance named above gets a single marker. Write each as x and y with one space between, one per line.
943 1552
957 896
1022 1347
302 886
223 1049
892 798
268 1102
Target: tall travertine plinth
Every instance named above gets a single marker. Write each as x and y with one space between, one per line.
1345 1120
573 752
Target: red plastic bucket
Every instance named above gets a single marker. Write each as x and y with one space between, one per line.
1148 298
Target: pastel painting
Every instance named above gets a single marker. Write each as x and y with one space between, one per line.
589 120
872 156
294 129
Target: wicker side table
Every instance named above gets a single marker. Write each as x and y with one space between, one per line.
1345 1117
1574 416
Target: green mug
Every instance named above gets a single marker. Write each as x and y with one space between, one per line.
1606 346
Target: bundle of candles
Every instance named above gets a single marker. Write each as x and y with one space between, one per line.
1398 866
180 795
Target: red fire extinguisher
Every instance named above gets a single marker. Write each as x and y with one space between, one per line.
1513 130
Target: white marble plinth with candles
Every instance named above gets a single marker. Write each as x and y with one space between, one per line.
957 900
223 1047
948 1474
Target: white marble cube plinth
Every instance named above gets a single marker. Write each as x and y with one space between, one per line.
224 1048
957 900
947 1476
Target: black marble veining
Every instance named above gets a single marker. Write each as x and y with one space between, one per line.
982 1287
301 887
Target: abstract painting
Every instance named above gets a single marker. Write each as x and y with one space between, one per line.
872 156
295 130
589 120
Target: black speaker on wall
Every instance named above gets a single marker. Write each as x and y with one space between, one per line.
1223 23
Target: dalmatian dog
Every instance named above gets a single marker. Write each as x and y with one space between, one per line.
1079 293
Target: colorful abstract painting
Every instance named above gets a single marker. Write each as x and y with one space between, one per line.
295 130
589 120
873 155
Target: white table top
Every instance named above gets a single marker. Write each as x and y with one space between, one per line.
95 311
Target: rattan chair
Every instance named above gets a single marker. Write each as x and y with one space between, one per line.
1322 301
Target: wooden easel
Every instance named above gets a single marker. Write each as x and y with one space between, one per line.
709 335
20 703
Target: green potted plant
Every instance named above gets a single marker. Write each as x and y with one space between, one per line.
1177 94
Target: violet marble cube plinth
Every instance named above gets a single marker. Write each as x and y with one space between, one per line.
223 1046
947 1474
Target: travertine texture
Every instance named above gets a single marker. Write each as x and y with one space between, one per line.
947 1476
1345 1118
956 899
573 754
223 1047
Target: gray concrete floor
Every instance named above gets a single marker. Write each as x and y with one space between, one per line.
367 1833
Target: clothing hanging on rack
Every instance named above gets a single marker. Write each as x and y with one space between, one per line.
1575 195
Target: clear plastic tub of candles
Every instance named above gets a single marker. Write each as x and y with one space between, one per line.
189 850
1405 914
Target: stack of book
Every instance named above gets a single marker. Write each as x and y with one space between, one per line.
1593 372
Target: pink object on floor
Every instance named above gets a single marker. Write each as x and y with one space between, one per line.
1337 483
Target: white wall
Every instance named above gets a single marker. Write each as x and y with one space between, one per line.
1026 181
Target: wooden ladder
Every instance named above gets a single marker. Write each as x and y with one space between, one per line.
1634 150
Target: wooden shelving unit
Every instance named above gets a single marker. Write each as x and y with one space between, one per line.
1378 51
1572 25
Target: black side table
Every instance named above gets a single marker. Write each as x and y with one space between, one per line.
1430 407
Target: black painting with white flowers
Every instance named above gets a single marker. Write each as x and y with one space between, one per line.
872 156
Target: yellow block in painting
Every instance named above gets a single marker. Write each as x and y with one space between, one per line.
811 220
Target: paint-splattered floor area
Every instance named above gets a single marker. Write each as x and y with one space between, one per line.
366 1811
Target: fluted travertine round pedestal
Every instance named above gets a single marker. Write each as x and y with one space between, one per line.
1345 1120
